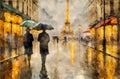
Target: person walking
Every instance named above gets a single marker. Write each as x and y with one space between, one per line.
16 42
8 42
44 39
27 42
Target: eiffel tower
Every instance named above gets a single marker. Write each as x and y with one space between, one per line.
67 29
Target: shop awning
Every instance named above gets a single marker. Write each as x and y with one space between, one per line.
93 24
11 9
101 23
87 31
112 20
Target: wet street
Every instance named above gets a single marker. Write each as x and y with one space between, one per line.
83 37
64 61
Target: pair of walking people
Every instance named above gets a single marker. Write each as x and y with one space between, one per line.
43 38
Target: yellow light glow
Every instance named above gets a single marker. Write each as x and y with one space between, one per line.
111 63
14 28
108 32
90 51
114 31
72 47
16 69
1 33
79 27
7 27
19 19
14 18
34 31
114 20
7 16
99 35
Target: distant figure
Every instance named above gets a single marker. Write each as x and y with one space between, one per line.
27 42
112 39
65 40
8 42
87 39
81 39
1 47
44 39
15 40
55 39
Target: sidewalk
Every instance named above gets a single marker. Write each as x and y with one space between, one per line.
59 64
14 54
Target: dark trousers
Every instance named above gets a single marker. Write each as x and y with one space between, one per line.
29 52
43 58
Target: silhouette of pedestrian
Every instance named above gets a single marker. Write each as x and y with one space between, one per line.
65 40
1 47
16 41
27 41
57 39
44 39
112 39
8 42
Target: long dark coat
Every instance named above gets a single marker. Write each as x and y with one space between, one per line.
27 42
44 39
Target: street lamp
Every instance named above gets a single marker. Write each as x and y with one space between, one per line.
118 19
79 33
104 42
79 27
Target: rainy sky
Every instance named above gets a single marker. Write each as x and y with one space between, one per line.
54 12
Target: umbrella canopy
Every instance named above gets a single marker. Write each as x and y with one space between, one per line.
28 23
41 26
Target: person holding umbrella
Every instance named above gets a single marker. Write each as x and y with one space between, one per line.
28 38
27 42
44 39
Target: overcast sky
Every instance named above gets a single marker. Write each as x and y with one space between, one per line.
54 12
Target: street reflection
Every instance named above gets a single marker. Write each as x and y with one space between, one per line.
72 49
96 59
15 69
43 73
62 61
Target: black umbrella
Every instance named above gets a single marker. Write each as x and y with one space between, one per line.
41 26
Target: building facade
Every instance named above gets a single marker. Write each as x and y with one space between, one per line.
105 38
27 7
96 9
13 13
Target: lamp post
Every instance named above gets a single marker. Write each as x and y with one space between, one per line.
104 42
118 19
79 33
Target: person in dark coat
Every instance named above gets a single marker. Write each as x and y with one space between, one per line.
16 42
27 41
8 42
44 39
112 39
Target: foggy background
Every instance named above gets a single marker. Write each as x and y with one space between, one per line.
54 12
